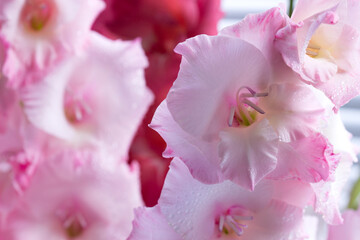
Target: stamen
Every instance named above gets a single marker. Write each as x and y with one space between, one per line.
234 225
241 112
248 88
243 218
233 220
249 95
221 223
78 114
312 50
254 106
231 117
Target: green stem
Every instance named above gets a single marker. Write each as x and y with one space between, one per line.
291 7
354 195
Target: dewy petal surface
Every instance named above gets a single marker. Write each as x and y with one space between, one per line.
248 154
186 203
211 71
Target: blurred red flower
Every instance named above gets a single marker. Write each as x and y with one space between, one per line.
161 24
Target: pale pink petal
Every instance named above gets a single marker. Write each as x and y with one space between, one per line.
353 7
86 98
275 222
327 194
306 8
310 228
309 159
259 30
349 230
320 70
341 88
248 154
347 49
150 224
212 71
339 137
293 192
200 156
295 110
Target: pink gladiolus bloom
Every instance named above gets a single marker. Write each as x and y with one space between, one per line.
40 32
320 43
99 97
226 95
221 211
72 196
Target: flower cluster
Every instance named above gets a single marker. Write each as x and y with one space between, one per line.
253 126
71 101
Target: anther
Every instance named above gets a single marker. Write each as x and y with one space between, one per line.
231 117
312 50
240 111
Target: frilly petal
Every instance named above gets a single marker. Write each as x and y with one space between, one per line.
309 159
255 25
327 194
